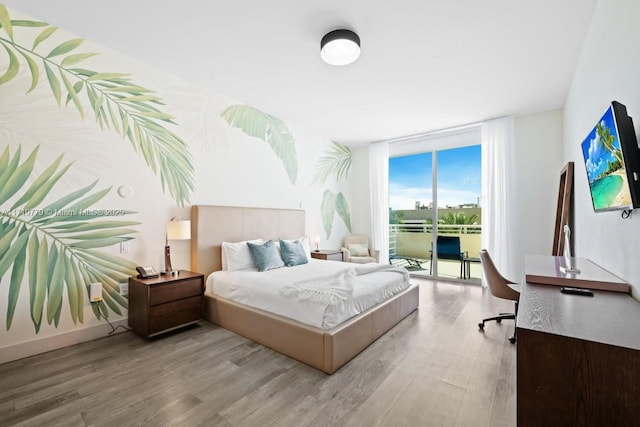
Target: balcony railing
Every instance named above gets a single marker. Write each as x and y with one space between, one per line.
414 240
442 228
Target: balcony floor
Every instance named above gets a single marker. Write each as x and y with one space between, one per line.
446 269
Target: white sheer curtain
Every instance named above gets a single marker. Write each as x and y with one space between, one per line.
497 196
379 191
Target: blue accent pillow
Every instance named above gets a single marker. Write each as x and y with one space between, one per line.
293 253
265 255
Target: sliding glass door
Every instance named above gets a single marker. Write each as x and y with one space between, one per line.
459 213
435 217
410 219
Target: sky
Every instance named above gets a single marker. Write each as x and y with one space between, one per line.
459 178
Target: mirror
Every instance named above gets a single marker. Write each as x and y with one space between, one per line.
563 208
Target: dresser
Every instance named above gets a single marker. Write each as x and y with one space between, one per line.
578 357
164 303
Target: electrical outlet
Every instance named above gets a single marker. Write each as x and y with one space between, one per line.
124 247
95 292
124 289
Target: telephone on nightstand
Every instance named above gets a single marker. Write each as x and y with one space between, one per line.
146 272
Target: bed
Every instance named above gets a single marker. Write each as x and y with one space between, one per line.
325 349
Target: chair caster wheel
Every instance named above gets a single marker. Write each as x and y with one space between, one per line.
481 326
498 320
512 340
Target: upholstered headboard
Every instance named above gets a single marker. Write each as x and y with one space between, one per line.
212 225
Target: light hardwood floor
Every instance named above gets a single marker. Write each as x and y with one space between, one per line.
433 369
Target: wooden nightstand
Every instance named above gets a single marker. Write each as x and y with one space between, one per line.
327 255
165 303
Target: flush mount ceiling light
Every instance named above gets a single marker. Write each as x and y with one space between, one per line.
340 47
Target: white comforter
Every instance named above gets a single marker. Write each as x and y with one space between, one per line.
320 293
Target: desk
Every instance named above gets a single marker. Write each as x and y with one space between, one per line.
545 270
578 358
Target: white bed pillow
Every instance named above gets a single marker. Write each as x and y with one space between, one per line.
358 249
236 255
304 241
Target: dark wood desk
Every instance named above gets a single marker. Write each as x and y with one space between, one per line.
578 358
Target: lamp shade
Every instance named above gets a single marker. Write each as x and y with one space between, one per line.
178 230
340 47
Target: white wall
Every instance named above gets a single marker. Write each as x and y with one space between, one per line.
608 69
538 160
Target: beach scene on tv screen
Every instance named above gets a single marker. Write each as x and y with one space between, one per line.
605 165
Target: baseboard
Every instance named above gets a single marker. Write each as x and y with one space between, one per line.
42 345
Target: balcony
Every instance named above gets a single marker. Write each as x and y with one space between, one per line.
411 243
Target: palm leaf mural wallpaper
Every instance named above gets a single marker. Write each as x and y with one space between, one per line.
56 244
54 239
336 162
268 128
118 103
333 203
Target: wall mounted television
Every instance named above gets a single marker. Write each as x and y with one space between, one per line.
612 159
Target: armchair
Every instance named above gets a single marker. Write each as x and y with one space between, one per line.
356 249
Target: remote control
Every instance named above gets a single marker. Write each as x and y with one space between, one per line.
576 291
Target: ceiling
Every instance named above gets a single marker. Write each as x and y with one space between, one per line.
425 64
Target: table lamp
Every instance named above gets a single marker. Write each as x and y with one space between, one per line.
176 230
